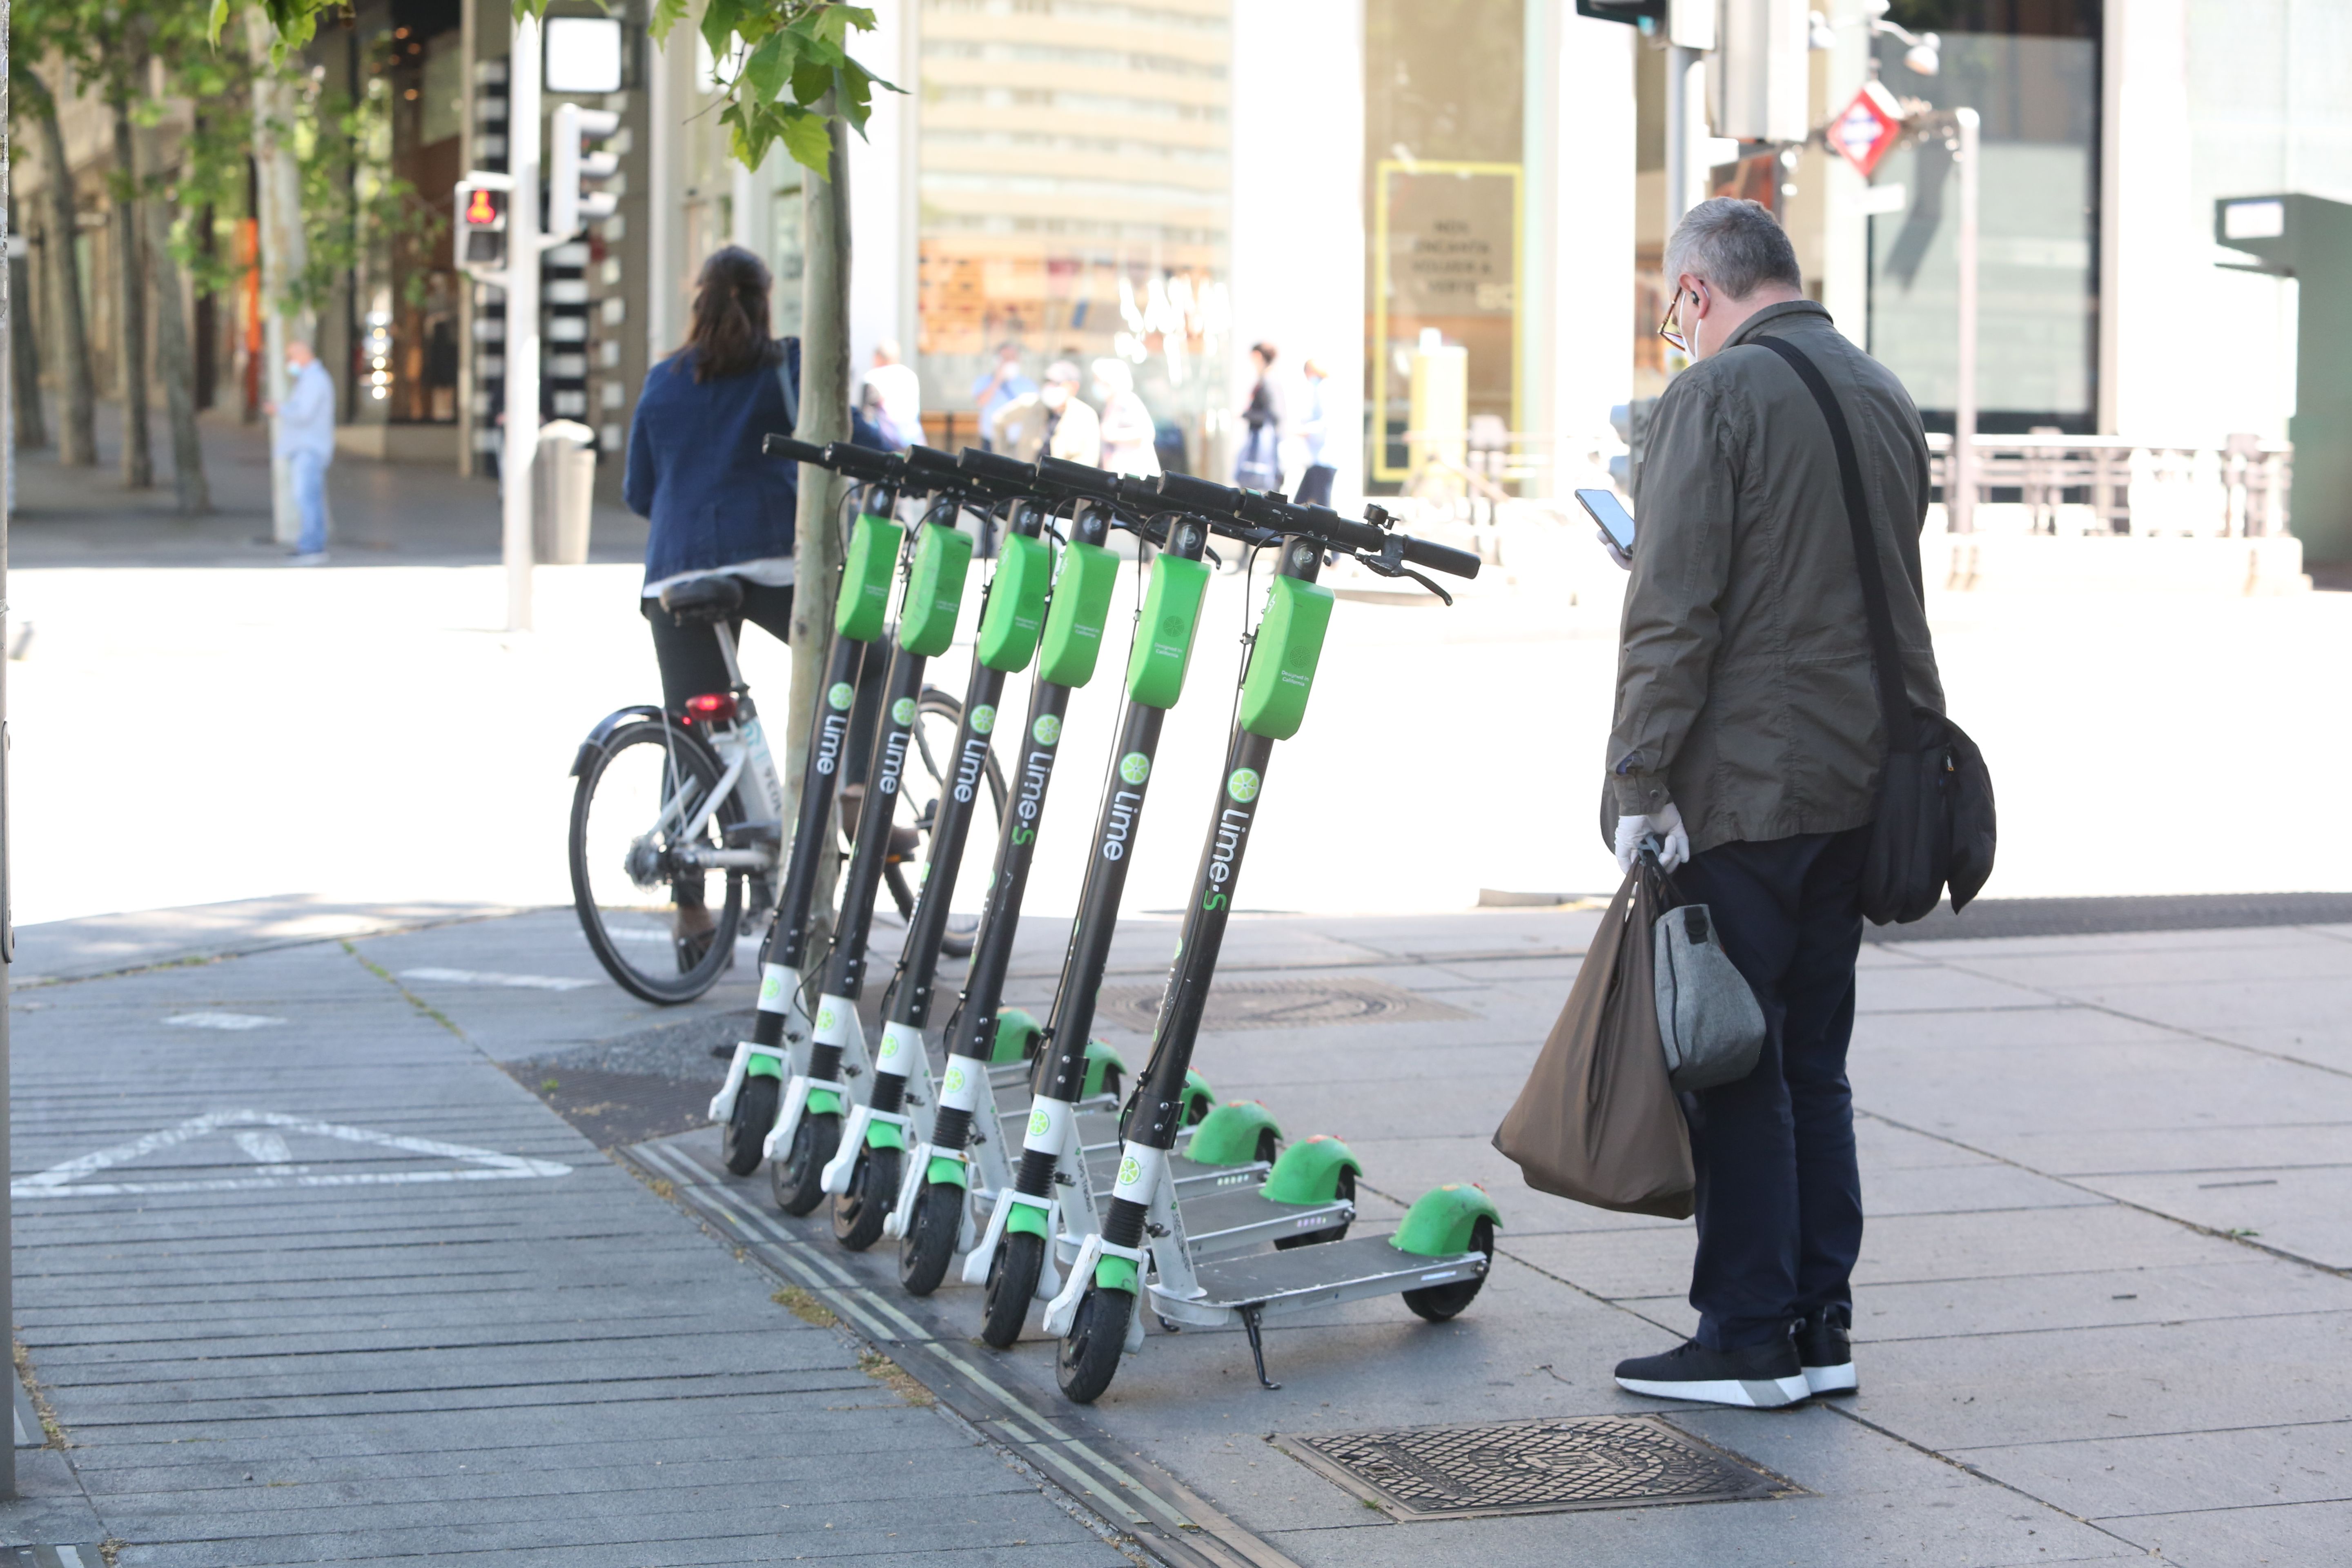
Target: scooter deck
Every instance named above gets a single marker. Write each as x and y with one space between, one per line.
1235 1218
1313 1276
1189 1177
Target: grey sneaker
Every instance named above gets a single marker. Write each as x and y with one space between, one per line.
1825 1351
1758 1377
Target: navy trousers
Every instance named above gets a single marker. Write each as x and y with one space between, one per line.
1780 1197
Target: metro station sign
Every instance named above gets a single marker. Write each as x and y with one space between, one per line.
1868 129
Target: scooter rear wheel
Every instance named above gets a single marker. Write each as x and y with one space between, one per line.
1346 1188
927 1245
1013 1278
747 1126
1439 1302
1091 1352
859 1214
799 1176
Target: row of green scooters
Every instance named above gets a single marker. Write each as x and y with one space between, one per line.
1127 1193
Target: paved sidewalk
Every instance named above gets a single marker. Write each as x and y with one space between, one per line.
2103 1312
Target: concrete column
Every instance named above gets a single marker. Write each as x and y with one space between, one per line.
881 284
1591 246
1298 234
2150 236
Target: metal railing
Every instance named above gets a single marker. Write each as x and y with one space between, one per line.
2109 484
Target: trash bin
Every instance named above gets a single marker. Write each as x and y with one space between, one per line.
564 483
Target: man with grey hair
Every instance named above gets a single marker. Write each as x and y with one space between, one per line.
1745 752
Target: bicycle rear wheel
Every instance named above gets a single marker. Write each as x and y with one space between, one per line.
650 919
930 776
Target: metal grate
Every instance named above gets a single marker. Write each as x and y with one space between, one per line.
1280 1005
1532 1467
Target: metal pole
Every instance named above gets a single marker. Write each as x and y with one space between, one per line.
1961 497
524 248
7 913
1684 128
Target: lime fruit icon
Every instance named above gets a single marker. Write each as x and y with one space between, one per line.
1135 767
1242 785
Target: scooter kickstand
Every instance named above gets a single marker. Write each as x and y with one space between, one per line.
1257 1342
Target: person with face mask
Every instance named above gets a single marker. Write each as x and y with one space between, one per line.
1052 422
303 431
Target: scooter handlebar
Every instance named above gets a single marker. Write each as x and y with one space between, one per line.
1440 557
799 451
1319 522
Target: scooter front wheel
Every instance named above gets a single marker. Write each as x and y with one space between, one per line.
928 1245
799 1176
1012 1275
1091 1352
1439 1302
747 1126
859 1214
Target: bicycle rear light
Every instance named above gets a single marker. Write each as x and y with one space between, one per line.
712 707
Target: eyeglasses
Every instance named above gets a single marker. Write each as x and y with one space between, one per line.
1673 335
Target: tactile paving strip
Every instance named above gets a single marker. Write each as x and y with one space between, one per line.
1531 1467
1280 1005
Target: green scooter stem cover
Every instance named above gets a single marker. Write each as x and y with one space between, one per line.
1282 661
927 619
1441 1220
1010 627
1163 643
1016 1035
1073 625
864 600
1229 1135
1309 1172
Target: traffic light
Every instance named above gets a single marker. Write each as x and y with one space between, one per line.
481 203
570 166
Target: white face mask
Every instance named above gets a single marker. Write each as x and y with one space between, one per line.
1056 395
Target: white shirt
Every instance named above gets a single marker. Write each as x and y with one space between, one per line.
901 391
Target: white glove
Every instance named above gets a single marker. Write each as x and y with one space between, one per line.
1665 826
1617 551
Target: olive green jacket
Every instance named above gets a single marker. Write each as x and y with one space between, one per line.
1744 687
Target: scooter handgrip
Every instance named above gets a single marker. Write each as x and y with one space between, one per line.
935 467
1196 494
785 446
1078 479
860 462
1440 557
997 467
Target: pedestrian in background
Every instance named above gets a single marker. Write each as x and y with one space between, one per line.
993 392
1259 466
1052 422
303 433
1314 437
1747 745
893 395
1130 435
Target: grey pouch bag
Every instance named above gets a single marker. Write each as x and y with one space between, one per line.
1708 1016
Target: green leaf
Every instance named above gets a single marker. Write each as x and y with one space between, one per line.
769 66
668 14
718 26
808 140
810 81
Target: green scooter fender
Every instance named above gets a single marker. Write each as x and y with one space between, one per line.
1440 1222
822 1102
1229 1135
1028 1219
763 1065
1309 1172
1118 1274
947 1169
1101 1061
1017 1034
885 1135
1199 1097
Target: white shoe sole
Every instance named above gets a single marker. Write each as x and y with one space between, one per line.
1747 1393
1830 1379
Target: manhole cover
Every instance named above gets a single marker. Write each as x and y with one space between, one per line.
1532 1467
1279 1005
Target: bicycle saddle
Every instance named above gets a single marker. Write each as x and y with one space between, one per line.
703 598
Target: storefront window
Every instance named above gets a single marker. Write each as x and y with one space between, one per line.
1074 190
1443 139
2032 73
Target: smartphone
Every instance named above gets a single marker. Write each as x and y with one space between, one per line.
1611 514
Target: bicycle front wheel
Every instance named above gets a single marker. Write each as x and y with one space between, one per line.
657 923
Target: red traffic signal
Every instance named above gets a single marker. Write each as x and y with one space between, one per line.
484 209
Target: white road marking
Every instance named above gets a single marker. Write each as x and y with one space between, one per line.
222 1020
488 977
479 1164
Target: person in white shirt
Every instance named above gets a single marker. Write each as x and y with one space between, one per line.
1052 422
898 392
1129 439
303 433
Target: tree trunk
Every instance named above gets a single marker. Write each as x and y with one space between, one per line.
131 272
284 253
823 417
24 353
77 436
173 361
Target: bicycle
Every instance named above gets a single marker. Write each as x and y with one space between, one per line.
667 800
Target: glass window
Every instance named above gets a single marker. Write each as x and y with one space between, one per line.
1074 190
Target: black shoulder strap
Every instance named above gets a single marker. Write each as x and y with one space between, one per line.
1886 655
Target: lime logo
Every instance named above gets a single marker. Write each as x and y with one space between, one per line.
1039 1123
1047 729
983 720
954 1082
889 1046
1135 767
1130 1171
824 1018
770 989
902 712
1242 785
1172 626
841 696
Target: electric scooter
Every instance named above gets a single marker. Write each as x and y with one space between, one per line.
863 1174
748 1104
1439 1255
1309 1193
